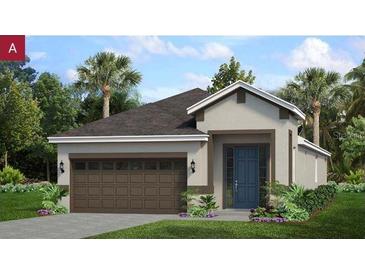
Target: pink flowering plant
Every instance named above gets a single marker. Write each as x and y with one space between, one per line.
44 212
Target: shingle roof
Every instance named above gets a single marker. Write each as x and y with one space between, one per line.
164 117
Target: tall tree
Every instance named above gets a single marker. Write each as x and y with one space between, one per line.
19 118
313 88
20 70
228 74
57 104
353 142
91 107
357 86
59 114
106 72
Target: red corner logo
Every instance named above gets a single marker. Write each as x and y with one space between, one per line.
12 47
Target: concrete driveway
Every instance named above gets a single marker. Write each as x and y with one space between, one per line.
74 225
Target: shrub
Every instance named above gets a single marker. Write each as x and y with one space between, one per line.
54 208
294 213
53 193
294 203
187 197
208 203
316 199
351 188
197 211
262 212
294 193
11 175
355 178
20 188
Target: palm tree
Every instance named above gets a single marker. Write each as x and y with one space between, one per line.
105 72
315 87
357 86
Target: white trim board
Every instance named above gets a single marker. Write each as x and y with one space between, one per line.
304 142
266 95
129 139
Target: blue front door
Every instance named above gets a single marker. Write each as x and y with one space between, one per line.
246 177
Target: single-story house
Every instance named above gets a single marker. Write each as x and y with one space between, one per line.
228 143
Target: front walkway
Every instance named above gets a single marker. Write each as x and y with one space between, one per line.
82 225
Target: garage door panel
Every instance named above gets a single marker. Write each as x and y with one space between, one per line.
166 191
136 191
93 178
81 190
122 190
81 203
180 179
122 203
151 178
108 178
151 204
137 178
94 190
108 190
151 191
166 178
108 203
94 203
136 204
80 178
137 186
166 204
122 178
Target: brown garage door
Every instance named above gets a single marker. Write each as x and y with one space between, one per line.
127 185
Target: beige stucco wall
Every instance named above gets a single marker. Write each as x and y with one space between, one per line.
196 151
306 160
254 114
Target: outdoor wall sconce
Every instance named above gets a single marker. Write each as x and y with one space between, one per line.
192 166
62 167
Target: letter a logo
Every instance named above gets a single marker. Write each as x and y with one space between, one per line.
12 48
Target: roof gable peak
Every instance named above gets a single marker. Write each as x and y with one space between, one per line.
240 84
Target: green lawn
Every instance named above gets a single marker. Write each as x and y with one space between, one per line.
19 205
344 218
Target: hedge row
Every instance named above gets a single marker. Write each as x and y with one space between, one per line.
316 199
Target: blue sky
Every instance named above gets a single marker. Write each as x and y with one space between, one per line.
171 64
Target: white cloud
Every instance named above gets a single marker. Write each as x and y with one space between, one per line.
37 55
142 45
216 51
315 52
196 80
71 75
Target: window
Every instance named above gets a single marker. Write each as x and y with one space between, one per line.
122 165
108 166
150 165
180 165
263 171
165 165
80 165
93 165
136 165
229 177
